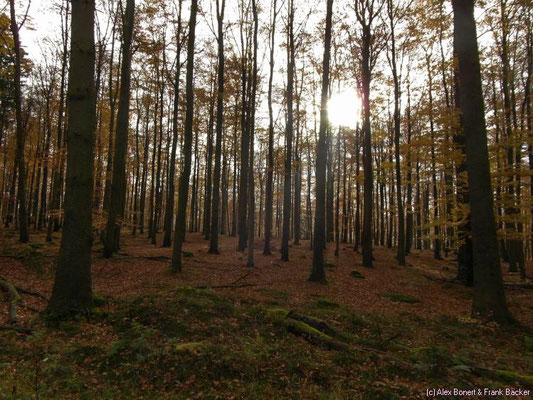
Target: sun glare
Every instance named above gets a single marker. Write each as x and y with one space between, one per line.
344 109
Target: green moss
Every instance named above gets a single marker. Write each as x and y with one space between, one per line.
528 342
192 347
276 314
511 377
187 254
329 264
99 300
305 328
357 275
401 298
326 303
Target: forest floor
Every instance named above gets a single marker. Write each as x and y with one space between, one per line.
220 330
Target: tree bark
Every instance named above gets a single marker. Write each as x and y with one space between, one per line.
213 245
72 291
489 297
287 184
118 182
20 130
179 233
319 237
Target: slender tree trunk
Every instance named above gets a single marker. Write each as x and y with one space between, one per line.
169 212
251 175
367 152
118 182
270 158
319 239
338 194
287 184
213 245
20 130
245 148
209 166
179 234
409 201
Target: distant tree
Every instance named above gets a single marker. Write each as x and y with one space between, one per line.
269 200
251 176
366 12
183 190
169 212
287 185
213 245
319 238
118 182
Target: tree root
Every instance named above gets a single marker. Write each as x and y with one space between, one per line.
27 291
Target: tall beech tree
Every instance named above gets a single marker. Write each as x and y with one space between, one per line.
183 189
251 175
366 12
489 297
169 211
319 237
287 186
269 200
118 182
213 244
20 129
72 292
392 13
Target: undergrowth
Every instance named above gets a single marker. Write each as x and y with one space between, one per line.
189 343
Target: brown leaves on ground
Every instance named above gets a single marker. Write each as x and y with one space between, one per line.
143 269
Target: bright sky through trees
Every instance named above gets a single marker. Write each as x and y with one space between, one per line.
344 109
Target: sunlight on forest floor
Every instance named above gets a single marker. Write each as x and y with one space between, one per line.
155 335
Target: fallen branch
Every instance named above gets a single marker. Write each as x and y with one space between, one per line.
242 277
501 375
158 258
518 285
313 335
232 286
316 323
15 328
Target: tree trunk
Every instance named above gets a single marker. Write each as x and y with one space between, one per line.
319 239
169 212
179 234
213 245
20 130
270 158
118 182
287 184
72 291
489 297
367 150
